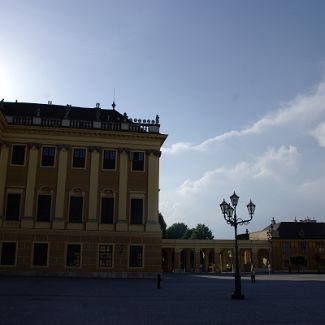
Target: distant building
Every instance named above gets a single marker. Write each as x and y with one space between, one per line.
288 240
78 191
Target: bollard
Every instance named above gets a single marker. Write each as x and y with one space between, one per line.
158 281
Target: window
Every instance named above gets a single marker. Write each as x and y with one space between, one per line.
48 156
107 210
302 247
105 254
321 248
138 161
13 206
73 255
285 248
44 207
109 159
40 254
136 256
75 209
79 158
8 254
136 211
18 155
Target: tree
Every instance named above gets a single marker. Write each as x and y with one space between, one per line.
163 225
176 231
201 231
188 233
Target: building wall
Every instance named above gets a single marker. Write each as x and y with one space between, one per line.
91 182
284 250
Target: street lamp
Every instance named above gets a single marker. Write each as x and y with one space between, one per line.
230 215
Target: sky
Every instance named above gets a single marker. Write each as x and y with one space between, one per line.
239 87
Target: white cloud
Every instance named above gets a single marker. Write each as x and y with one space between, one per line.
275 162
272 164
319 134
301 111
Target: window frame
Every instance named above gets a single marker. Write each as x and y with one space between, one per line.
115 160
50 194
144 161
77 195
47 254
106 196
112 255
54 157
136 197
72 157
15 192
66 255
285 248
15 255
142 257
25 154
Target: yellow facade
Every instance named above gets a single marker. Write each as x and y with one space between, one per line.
62 184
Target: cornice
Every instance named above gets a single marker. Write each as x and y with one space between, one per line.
85 132
155 153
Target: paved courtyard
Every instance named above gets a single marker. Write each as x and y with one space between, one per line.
182 299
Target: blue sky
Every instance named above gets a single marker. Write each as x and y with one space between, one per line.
239 87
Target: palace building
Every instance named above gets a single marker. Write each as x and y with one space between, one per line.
78 191
79 194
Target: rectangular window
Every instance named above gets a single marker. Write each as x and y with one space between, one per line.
136 211
285 248
13 206
75 209
40 254
18 155
302 247
73 255
109 159
107 211
136 256
79 158
44 207
138 161
105 255
8 254
48 156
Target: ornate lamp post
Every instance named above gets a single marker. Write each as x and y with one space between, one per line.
230 215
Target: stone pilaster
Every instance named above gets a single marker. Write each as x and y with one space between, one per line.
58 222
153 191
255 257
4 157
217 264
27 220
197 264
92 222
122 218
206 260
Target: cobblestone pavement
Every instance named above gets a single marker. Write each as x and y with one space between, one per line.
182 299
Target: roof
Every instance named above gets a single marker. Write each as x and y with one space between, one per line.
298 230
59 111
47 114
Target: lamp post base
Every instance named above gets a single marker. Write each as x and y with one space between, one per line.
237 295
